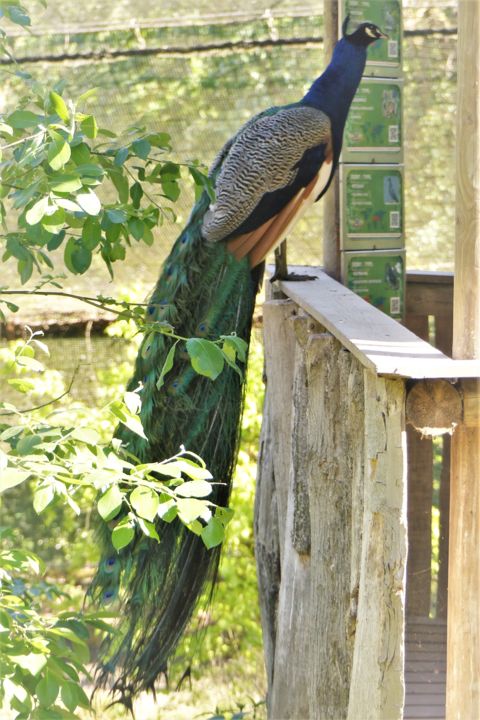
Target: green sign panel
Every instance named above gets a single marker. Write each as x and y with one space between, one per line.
371 206
384 57
373 132
378 277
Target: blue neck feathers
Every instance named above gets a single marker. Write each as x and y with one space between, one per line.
333 91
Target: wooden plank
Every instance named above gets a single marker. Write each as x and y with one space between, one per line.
420 480
273 468
380 343
425 668
429 294
463 676
435 277
331 200
377 684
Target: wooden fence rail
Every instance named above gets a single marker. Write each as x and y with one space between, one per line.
331 509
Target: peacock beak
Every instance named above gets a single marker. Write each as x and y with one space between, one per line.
381 34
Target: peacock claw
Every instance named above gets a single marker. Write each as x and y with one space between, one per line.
291 277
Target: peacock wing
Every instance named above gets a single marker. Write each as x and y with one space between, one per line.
265 177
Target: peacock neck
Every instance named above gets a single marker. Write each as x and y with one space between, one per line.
334 91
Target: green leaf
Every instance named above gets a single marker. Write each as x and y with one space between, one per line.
91 233
196 472
213 533
141 148
11 476
89 126
5 129
145 502
47 690
59 106
110 503
18 15
236 345
147 236
206 358
25 268
171 189
136 193
121 184
116 215
161 140
69 696
58 154
22 119
33 662
42 498
122 534
27 443
167 510
89 202
121 156
148 529
136 228
22 384
77 257
135 425
189 509
37 211
56 241
54 223
86 435
194 488
65 183
167 366
133 402
81 154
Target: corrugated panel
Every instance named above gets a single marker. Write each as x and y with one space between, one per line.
425 669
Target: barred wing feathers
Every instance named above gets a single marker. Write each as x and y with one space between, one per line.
276 165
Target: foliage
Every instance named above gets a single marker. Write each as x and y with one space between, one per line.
63 187
41 659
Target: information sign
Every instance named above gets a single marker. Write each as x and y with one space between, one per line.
373 132
371 209
384 57
378 277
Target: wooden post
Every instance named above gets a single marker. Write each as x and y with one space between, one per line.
463 644
331 201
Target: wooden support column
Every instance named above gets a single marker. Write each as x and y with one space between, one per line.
420 480
463 645
331 201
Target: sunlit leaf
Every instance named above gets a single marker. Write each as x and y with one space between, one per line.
110 503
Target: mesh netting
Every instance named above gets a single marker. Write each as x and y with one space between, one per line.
212 68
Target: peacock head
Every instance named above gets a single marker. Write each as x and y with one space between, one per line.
364 35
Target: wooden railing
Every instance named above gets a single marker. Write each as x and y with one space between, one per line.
331 531
429 314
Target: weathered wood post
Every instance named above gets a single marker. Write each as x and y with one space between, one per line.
463 645
331 201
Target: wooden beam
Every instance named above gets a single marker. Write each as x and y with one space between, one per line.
331 201
380 343
434 407
463 644
419 498
429 294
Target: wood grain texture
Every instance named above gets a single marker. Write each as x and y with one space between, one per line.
273 466
380 343
338 591
377 684
463 644
331 200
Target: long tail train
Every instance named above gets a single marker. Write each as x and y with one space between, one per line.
203 291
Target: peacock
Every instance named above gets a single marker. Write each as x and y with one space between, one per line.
278 163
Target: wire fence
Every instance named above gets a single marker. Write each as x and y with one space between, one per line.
199 74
